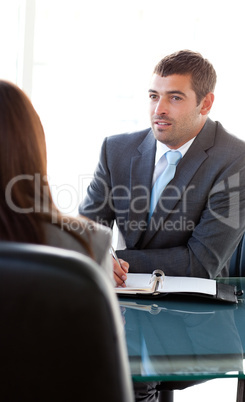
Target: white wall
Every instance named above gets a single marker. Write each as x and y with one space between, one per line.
92 62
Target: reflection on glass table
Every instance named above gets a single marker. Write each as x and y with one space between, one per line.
183 338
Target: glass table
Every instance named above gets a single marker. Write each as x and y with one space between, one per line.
185 338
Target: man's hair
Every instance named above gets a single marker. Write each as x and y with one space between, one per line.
185 62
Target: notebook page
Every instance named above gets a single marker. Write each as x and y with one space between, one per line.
188 284
137 282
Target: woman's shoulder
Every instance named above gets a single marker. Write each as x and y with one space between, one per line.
99 237
57 237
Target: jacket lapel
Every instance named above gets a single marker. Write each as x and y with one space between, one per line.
141 170
185 171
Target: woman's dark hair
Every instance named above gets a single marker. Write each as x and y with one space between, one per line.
25 197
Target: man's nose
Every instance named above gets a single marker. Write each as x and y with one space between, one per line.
161 107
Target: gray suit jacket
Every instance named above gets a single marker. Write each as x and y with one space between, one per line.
99 237
200 217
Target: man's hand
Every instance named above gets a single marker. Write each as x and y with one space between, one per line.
120 272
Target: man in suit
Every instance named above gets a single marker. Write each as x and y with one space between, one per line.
199 218
200 215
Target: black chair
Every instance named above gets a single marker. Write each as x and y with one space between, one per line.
237 263
61 336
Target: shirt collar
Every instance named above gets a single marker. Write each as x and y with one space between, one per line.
161 149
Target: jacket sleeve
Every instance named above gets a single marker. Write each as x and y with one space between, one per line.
214 239
97 204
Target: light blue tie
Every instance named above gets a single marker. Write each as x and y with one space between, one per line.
167 175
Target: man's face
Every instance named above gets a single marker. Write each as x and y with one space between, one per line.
175 116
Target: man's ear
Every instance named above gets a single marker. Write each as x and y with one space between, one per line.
207 103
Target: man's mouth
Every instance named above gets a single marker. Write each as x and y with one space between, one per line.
162 123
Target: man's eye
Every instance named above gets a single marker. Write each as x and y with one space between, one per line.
153 96
176 98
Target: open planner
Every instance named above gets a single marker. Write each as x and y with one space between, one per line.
157 283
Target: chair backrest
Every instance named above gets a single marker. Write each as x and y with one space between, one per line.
237 263
61 335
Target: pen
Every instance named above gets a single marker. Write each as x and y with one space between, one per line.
113 253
